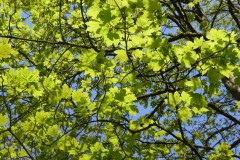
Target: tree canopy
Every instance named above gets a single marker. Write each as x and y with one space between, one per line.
119 79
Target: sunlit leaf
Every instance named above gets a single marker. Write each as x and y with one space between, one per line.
3 119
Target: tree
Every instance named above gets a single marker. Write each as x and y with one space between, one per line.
119 79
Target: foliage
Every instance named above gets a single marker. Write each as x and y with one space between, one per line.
118 79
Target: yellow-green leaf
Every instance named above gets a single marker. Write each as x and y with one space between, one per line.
5 50
121 56
3 120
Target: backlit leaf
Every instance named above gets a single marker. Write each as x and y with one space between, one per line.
3 119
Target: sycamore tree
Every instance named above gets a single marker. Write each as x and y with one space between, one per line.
119 79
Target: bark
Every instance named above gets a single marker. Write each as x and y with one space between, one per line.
230 85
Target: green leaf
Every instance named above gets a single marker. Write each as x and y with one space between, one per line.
186 97
101 57
85 157
199 100
152 6
132 109
227 69
109 79
203 110
3 120
12 152
53 130
22 153
80 97
114 141
185 113
159 133
106 15
200 111
238 104
213 75
189 58
37 93
154 65
173 99
72 152
193 83
133 125
97 147
130 97
93 26
215 34
121 56
112 38
94 10
120 95
66 91
138 54
5 50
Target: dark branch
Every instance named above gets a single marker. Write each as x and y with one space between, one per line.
219 111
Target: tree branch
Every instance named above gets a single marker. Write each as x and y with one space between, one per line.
219 111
